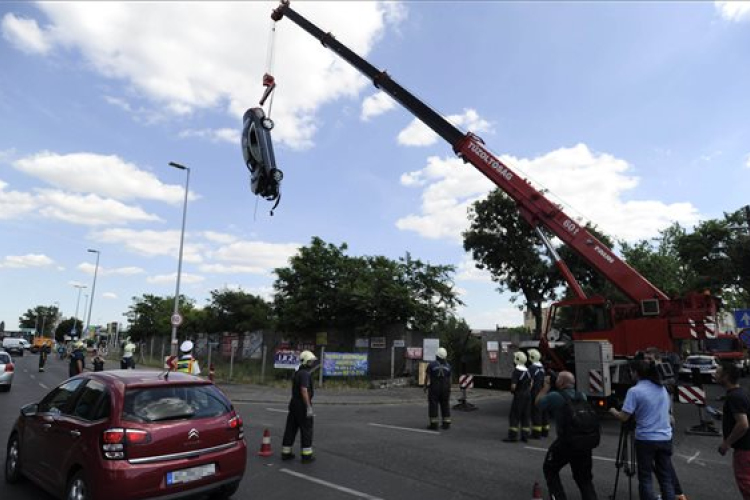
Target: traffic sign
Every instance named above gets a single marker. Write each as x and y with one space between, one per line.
176 319
742 318
691 395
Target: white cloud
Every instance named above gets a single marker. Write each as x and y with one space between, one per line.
88 210
109 295
89 268
375 105
185 278
747 161
419 134
15 203
217 237
25 261
152 243
596 183
467 271
482 319
255 257
217 58
734 10
228 135
106 175
25 34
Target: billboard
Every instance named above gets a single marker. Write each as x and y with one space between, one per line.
285 359
345 364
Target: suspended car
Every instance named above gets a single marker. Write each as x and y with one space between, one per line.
257 148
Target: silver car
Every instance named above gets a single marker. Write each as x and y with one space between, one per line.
7 369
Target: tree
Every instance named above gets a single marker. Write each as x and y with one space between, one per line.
464 349
41 319
66 326
150 315
236 311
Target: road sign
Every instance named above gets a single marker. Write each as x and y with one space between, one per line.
176 319
691 395
466 381
170 363
399 343
742 318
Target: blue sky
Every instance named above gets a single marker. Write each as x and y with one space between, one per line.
632 114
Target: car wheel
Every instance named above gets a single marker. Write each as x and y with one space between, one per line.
77 489
225 491
13 460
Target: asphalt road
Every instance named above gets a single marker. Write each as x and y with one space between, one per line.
384 452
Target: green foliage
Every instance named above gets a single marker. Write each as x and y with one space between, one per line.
464 349
236 311
40 318
150 315
65 327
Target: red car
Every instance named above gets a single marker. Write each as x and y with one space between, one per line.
128 435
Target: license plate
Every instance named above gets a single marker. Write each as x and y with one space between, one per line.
191 474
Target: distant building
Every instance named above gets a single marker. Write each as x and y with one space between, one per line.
529 321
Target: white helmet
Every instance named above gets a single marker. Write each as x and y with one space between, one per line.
186 346
534 355
441 353
519 358
306 357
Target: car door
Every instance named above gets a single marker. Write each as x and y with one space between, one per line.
37 446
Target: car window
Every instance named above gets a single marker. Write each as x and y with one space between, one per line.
93 402
154 404
4 359
59 397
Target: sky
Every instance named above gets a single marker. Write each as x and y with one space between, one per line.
633 115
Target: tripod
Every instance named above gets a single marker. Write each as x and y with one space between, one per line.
625 457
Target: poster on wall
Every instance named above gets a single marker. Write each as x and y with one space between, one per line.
252 344
413 353
345 364
285 359
361 343
377 343
430 349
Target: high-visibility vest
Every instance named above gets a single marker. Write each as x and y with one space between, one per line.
185 365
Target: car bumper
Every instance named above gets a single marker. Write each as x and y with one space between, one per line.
6 378
122 480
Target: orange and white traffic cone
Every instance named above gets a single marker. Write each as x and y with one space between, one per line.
265 447
536 493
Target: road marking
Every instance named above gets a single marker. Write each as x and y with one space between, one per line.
277 410
690 460
43 386
424 431
604 459
334 486
25 370
32 376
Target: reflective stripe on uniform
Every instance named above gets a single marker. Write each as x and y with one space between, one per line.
286 450
513 429
185 365
306 451
536 428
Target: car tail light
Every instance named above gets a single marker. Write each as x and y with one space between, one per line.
9 367
114 441
236 423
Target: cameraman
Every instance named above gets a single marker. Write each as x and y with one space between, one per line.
649 403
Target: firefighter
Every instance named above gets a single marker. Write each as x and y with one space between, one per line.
520 409
43 351
300 414
438 386
539 419
188 363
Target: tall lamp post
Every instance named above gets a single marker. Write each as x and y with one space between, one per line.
93 287
78 302
175 315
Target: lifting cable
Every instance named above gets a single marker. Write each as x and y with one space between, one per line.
268 80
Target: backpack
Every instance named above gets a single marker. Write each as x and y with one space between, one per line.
580 427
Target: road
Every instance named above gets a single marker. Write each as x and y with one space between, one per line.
385 452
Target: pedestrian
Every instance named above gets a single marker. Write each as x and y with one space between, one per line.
649 404
539 418
438 387
300 415
520 408
128 358
734 423
576 438
187 362
43 352
77 360
98 363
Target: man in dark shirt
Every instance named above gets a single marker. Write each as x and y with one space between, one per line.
300 416
77 360
438 385
520 409
735 424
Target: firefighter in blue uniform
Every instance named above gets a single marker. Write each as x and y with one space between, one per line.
520 409
438 387
539 418
300 416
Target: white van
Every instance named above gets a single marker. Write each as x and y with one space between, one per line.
11 344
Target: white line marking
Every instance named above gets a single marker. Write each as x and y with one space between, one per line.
334 486
25 370
32 376
277 410
43 386
604 459
424 431
690 460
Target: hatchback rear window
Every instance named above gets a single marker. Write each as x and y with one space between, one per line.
157 404
699 361
4 359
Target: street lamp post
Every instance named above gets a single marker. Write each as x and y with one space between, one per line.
93 287
78 302
179 261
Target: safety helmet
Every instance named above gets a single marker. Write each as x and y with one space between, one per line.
186 346
441 353
519 358
306 357
78 345
534 355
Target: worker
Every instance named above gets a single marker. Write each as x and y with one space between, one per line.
128 358
539 418
77 360
43 351
438 387
520 409
187 362
300 415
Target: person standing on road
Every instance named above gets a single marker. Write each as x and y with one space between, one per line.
128 358
520 408
562 451
735 424
77 360
187 362
300 416
649 404
43 352
539 419
438 387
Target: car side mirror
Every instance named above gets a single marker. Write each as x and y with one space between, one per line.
29 410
